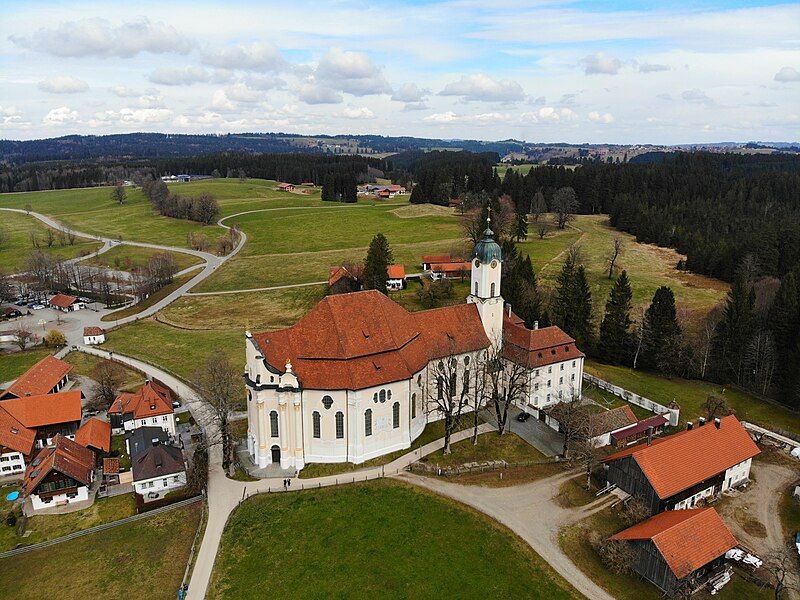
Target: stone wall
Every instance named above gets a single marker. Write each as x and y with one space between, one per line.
646 403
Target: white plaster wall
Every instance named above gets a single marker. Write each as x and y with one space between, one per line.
38 504
158 485
11 463
326 448
736 474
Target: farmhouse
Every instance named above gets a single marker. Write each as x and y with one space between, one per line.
150 405
286 187
680 470
432 259
49 415
636 432
16 444
94 335
66 303
451 270
356 377
158 469
345 279
47 376
95 434
679 548
60 474
397 277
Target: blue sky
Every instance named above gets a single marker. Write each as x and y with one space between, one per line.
547 70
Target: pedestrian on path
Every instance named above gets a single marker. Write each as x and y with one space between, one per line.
284 485
289 482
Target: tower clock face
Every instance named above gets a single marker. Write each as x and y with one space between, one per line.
494 264
477 263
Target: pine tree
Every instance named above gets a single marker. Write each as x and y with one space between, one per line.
582 302
521 291
784 321
563 308
379 257
521 225
734 331
661 333
615 336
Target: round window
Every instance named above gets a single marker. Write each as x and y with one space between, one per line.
477 263
494 264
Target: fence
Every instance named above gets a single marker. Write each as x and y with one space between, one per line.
103 527
654 407
421 467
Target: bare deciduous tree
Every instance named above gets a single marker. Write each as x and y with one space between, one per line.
617 555
760 356
118 194
24 337
541 229
565 203
473 224
448 393
538 206
613 255
634 511
49 237
108 377
34 238
6 288
5 236
505 384
218 384
780 565
717 406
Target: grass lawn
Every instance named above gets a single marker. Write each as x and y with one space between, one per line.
377 539
184 417
86 365
125 258
409 300
491 446
609 400
143 559
48 527
691 395
119 450
790 513
14 252
573 493
14 364
150 300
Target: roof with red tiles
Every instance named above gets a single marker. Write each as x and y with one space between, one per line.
396 271
93 331
46 409
535 348
643 425
687 539
363 339
40 378
437 258
63 300
95 434
451 267
110 466
66 457
607 421
13 434
679 461
150 400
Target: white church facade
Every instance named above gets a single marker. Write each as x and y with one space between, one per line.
354 378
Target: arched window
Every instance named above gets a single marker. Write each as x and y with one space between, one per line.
476 288
327 402
440 387
249 395
388 394
368 422
396 415
258 379
419 381
375 397
466 361
340 425
382 396
273 423
492 292
413 406
317 425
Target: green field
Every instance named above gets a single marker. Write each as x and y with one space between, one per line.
15 250
14 364
125 258
152 299
143 559
86 364
379 539
691 395
523 169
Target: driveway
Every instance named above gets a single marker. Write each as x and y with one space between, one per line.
537 434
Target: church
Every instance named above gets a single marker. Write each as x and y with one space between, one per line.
353 379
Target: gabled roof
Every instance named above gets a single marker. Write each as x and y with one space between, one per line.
610 420
156 461
63 300
451 267
535 348
46 409
679 461
150 400
687 539
95 434
110 466
643 425
40 378
93 331
396 271
142 438
438 258
362 339
65 456
13 434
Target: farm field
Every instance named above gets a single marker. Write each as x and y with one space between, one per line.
15 250
143 559
125 258
691 395
396 553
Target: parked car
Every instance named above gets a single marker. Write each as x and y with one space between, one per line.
21 303
37 306
523 416
176 404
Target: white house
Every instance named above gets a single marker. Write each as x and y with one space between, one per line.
358 376
93 336
60 474
158 469
66 303
396 277
150 405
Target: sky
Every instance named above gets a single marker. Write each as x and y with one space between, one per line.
540 71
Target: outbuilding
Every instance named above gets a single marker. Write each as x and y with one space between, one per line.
66 303
93 336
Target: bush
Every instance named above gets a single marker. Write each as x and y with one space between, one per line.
11 519
55 339
616 555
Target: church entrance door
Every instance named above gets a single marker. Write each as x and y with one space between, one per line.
276 454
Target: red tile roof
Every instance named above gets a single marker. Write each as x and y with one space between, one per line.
451 267
437 258
67 457
110 466
93 331
362 339
679 461
396 271
641 426
63 300
46 409
687 539
150 400
40 378
338 273
13 434
610 420
535 348
95 434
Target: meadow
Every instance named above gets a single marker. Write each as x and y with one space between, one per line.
126 258
413 545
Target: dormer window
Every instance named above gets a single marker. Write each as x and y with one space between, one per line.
152 407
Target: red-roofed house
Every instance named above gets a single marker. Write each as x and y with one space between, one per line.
66 303
95 434
59 474
355 377
150 405
679 547
94 335
49 415
397 277
680 470
345 279
286 187
48 376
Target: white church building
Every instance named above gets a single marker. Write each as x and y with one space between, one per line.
352 379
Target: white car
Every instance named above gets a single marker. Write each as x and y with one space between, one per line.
38 307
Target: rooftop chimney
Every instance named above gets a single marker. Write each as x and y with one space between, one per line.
649 435
689 426
536 324
701 421
717 423
509 308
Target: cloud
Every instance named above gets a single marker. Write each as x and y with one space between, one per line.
187 76
123 91
652 68
482 118
150 100
221 102
206 120
60 116
696 96
351 72
11 118
63 84
98 37
483 88
259 56
130 116
311 93
787 74
265 82
548 113
240 92
600 63
601 118
445 117
409 92
409 106
353 112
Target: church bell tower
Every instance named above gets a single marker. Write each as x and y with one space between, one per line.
486 269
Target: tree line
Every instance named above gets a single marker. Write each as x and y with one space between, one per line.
203 208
